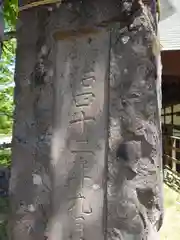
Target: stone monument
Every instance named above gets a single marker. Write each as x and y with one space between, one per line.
86 155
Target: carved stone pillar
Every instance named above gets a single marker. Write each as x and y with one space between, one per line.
87 140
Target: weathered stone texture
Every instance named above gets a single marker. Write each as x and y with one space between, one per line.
30 177
87 141
79 138
134 186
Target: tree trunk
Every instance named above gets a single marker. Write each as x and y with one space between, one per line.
86 155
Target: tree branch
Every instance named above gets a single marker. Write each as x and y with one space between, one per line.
5 114
9 35
5 145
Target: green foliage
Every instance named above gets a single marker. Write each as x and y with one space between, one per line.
10 13
5 157
6 112
6 86
7 62
6 98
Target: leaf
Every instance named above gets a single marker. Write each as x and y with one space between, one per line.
10 13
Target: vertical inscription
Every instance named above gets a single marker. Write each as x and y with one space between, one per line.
80 117
79 197
83 101
88 80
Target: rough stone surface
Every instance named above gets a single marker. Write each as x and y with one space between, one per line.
79 138
134 186
30 178
75 120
